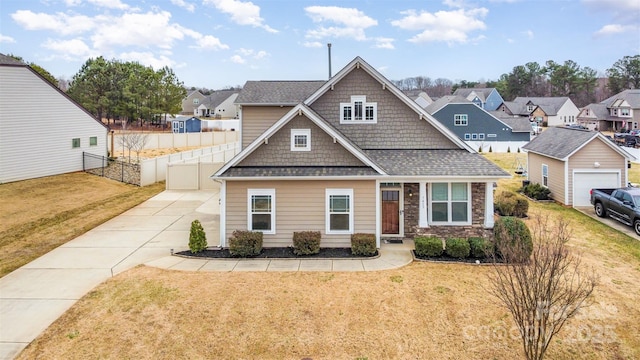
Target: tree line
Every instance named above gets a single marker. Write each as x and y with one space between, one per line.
129 91
535 80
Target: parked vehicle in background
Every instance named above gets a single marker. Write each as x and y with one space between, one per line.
620 204
625 139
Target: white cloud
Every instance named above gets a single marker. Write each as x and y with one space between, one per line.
183 4
351 23
238 59
58 22
529 34
6 39
151 29
242 13
312 44
384 43
612 29
109 4
74 49
445 26
209 42
148 59
257 55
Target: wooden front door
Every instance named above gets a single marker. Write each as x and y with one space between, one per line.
391 212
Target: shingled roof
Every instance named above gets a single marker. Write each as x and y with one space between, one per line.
550 105
444 163
277 92
559 143
631 96
8 60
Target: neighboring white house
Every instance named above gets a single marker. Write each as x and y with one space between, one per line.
47 139
555 111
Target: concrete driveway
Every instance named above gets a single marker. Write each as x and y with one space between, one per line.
35 295
589 211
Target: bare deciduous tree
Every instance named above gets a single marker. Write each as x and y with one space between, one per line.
130 140
546 291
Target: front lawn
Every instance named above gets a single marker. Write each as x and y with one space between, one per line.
421 311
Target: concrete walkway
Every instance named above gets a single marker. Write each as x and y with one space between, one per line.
35 295
589 211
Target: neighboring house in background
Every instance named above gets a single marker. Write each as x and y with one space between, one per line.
219 104
420 97
350 155
191 102
571 162
621 111
487 98
554 111
48 139
479 128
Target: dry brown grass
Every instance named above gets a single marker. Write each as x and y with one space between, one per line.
421 311
39 215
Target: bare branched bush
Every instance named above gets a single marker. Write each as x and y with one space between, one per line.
546 290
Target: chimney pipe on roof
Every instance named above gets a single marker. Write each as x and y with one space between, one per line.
329 47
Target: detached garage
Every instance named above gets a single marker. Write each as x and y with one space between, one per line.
570 162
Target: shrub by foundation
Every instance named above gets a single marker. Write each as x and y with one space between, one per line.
197 237
537 191
363 244
513 239
457 248
510 204
306 242
430 246
245 243
480 247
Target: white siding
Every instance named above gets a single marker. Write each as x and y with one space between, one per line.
37 125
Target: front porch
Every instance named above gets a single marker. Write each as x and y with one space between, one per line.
443 209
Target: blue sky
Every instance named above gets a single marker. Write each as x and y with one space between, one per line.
219 43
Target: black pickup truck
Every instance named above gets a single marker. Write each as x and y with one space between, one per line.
620 204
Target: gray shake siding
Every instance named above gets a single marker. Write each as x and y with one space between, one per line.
398 126
324 152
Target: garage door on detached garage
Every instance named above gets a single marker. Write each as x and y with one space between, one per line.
585 181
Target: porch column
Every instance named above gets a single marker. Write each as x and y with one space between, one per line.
422 217
488 205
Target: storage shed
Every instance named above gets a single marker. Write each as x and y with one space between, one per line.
190 125
570 162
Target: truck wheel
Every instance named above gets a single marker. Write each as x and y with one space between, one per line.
600 210
636 226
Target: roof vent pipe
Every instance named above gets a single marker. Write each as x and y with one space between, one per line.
329 48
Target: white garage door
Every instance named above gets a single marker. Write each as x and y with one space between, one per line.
585 181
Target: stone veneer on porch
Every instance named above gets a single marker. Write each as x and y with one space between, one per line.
411 216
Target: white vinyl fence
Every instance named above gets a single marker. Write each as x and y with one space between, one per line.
191 169
157 169
171 140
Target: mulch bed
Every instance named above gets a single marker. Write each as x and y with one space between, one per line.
278 253
469 260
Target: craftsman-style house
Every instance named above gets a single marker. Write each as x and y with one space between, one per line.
349 155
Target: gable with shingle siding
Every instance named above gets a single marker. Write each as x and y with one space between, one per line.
397 127
277 151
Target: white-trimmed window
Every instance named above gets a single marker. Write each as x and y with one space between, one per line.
467 136
358 111
625 112
529 108
93 141
545 175
300 139
339 211
450 203
261 210
196 101
481 136
460 120
474 136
